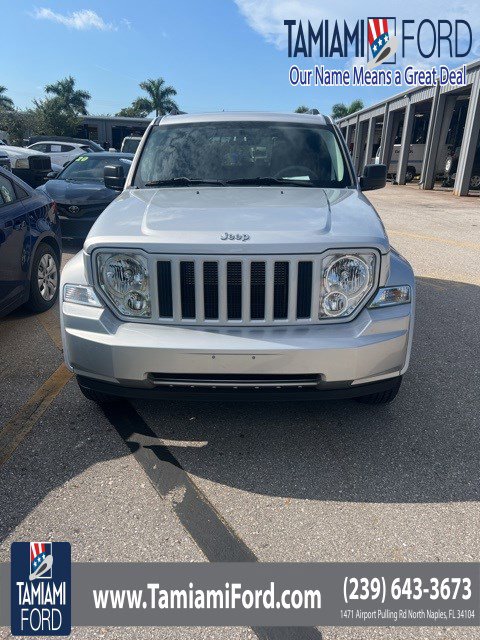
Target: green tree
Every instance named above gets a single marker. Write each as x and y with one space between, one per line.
340 110
302 109
52 118
68 97
5 101
159 97
140 108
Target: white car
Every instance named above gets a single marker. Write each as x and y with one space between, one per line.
415 160
60 152
28 164
130 144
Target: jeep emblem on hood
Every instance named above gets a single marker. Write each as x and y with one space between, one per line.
243 237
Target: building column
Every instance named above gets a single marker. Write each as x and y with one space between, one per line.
405 144
369 145
387 137
348 135
469 142
427 179
356 146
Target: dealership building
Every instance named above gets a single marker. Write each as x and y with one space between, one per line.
417 130
111 129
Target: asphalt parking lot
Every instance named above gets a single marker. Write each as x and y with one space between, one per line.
290 482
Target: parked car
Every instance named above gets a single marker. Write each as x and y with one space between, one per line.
80 192
5 160
29 165
220 271
130 144
61 153
451 165
30 247
415 161
91 144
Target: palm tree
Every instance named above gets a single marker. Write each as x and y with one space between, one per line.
5 102
340 110
71 99
302 109
159 96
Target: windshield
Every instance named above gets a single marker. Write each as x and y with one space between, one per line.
242 153
90 168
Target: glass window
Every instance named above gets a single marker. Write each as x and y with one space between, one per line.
21 193
130 145
86 168
7 192
66 148
40 146
420 128
55 148
302 154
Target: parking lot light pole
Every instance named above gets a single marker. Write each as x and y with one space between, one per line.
469 142
405 144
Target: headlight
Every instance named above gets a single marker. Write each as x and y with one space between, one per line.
347 280
22 163
124 279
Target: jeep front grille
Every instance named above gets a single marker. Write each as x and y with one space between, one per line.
40 163
240 290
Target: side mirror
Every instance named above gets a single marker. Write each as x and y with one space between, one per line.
374 177
114 177
51 175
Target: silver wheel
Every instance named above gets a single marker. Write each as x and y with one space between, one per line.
47 277
475 182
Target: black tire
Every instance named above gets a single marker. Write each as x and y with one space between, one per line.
98 397
44 292
384 397
410 174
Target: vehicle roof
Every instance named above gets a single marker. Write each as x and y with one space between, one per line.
253 116
53 141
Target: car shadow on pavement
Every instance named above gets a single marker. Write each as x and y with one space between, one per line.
422 448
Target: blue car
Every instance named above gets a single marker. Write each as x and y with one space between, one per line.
80 192
30 246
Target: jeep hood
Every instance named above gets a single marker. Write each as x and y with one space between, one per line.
277 220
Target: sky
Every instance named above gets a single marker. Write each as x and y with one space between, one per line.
218 54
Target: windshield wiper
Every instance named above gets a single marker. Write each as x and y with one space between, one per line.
182 182
268 181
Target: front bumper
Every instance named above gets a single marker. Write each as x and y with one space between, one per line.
372 348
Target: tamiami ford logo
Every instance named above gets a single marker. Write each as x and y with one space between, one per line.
376 45
40 586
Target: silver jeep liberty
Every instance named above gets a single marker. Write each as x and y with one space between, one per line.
241 260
